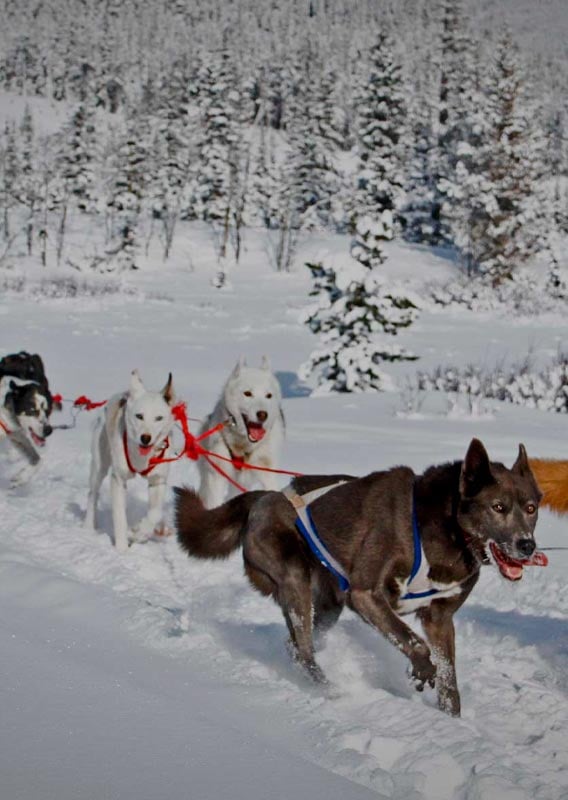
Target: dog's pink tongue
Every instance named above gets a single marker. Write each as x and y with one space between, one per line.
508 567
144 450
512 568
255 431
537 559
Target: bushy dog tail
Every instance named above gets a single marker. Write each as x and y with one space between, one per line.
552 478
211 533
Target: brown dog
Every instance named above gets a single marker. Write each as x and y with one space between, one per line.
375 529
552 478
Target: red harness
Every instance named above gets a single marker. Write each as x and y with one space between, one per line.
8 431
192 447
153 462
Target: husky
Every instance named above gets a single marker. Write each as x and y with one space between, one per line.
388 544
26 405
251 408
132 431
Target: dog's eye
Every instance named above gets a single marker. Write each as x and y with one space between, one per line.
269 396
139 416
159 419
531 508
498 507
247 394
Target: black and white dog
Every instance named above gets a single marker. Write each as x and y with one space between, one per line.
25 408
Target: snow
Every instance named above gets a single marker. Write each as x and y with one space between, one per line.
150 675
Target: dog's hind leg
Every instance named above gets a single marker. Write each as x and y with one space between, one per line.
289 584
276 564
328 600
295 597
100 463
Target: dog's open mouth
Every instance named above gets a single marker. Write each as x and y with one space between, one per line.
255 430
145 449
37 439
512 568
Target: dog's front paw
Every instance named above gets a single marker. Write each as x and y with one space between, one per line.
423 671
142 530
121 543
161 531
23 476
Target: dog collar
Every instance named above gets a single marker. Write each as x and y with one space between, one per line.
153 462
305 525
5 428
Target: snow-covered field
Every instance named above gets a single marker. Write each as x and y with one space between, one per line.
148 675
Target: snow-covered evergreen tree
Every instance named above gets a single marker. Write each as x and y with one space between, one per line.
504 210
171 164
220 143
310 176
29 182
9 176
455 112
79 156
264 179
219 185
125 195
354 313
379 133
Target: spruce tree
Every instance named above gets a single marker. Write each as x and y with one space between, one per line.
443 109
354 312
29 182
126 192
505 209
380 133
79 157
9 165
170 168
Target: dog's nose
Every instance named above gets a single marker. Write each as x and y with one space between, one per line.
526 546
261 416
47 430
145 439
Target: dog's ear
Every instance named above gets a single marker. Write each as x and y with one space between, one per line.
242 362
476 470
265 364
10 398
521 466
136 386
168 391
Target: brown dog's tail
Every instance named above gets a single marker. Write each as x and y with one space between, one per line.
211 533
552 478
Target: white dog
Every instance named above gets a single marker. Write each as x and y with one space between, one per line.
250 407
25 407
133 429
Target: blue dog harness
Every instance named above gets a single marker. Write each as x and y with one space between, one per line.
305 525
417 587
419 584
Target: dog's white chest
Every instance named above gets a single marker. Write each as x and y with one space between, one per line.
418 590
407 605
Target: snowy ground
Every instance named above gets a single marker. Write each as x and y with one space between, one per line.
148 675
